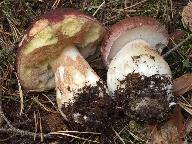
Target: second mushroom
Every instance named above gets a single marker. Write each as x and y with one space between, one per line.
138 77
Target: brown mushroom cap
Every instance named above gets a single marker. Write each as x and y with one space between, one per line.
138 27
47 37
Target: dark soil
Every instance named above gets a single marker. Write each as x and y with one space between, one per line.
15 18
50 121
141 100
92 110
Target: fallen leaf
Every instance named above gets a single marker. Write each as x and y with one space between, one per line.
182 84
168 132
172 130
187 17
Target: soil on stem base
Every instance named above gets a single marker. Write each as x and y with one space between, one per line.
145 98
91 109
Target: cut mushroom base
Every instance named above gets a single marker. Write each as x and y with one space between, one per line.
80 92
140 80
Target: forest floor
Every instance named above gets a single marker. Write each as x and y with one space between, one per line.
30 117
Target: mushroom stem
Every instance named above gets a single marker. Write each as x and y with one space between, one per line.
140 80
72 74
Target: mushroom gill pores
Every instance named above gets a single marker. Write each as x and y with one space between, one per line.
138 77
51 54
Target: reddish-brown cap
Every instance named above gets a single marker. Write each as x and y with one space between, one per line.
138 27
44 41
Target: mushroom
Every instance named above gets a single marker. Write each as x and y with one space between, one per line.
52 54
127 30
138 77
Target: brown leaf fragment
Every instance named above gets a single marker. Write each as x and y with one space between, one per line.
187 17
168 132
172 130
182 84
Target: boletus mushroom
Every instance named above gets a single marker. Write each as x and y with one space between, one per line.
127 30
138 77
52 54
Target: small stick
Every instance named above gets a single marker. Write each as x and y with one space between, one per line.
16 131
177 46
134 5
73 136
116 133
56 3
23 132
1 109
20 95
99 8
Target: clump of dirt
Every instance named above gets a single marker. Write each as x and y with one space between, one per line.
145 98
92 109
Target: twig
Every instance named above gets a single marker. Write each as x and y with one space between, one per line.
177 46
36 123
20 95
73 136
116 133
134 5
1 109
63 115
59 109
99 8
56 3
50 101
41 128
42 105
78 132
23 132
120 132
16 131
135 136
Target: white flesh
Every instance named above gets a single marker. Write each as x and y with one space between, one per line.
124 63
72 73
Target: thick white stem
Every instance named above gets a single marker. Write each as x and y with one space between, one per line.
135 57
72 73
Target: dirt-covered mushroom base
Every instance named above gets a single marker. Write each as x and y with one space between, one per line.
145 98
91 110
